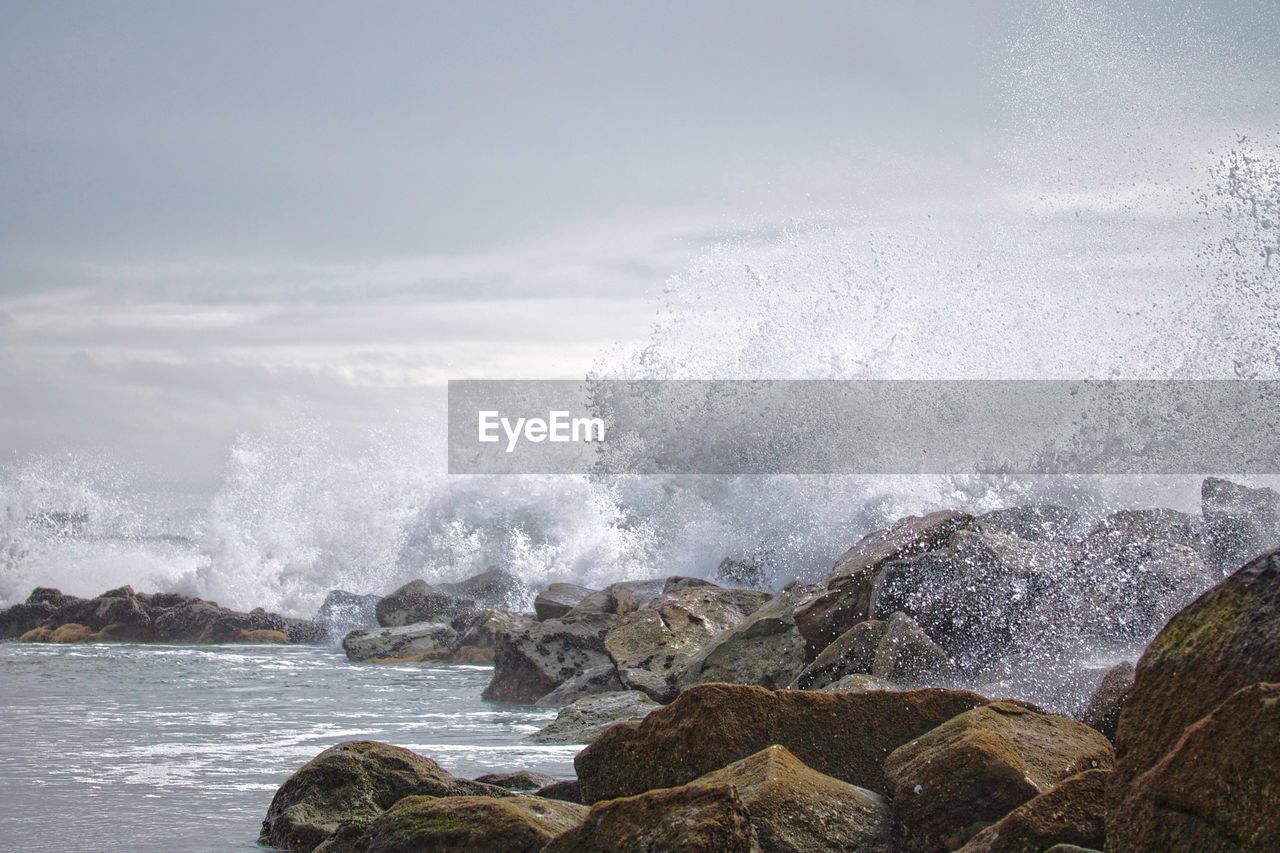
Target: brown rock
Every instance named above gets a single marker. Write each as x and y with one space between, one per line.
1103 711
1227 639
848 598
263 635
1216 790
974 769
558 599
1073 812
845 735
515 824
698 818
857 682
852 653
796 809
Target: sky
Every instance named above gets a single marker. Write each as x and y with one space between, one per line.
216 216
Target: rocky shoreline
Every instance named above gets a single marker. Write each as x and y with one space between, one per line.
879 710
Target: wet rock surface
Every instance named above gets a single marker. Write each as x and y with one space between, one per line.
1071 813
516 824
586 719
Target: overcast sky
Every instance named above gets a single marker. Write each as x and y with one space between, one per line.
214 214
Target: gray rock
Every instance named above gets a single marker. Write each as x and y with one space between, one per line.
405 642
619 598
521 780
858 682
765 649
481 628
853 653
907 656
558 599
1239 522
417 601
531 662
600 679
1103 711
343 612
496 588
1036 522
584 720
751 574
569 791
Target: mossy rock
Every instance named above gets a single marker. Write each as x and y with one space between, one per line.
696 818
516 824
1073 812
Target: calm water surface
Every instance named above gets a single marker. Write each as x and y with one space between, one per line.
180 748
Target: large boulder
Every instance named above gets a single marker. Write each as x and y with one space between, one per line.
1036 522
586 719
558 599
515 824
354 781
179 619
531 662
851 582
1226 640
619 599
652 644
1216 790
852 653
691 819
1103 711
974 769
845 735
796 809
342 612
120 607
418 601
906 655
1239 522
764 649
521 781
589 682
420 642
1073 812
480 629
495 588
38 609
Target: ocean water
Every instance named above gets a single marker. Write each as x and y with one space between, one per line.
166 748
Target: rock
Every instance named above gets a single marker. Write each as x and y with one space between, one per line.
406 643
853 652
558 599
179 619
1144 528
343 612
795 809
591 682
353 781
1215 790
856 682
586 719
1239 522
481 628
1226 640
262 635
521 780
115 607
619 599
495 588
515 824
764 649
1070 813
651 645
1103 711
751 574
689 819
1071 848
974 769
677 583
530 663
907 656
845 735
568 790
68 632
848 598
417 601
32 613
1036 522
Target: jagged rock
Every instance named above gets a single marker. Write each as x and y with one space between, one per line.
795 809
651 645
521 780
68 632
618 599
586 719
405 643
32 613
481 628
1103 711
974 769
764 649
1239 522
907 656
690 819
115 607
558 599
849 586
356 780
856 682
343 612
1036 522
1144 527
418 601
591 682
1216 790
845 735
515 824
193 620
569 790
1072 812
852 653
1226 640
531 662
750 574
496 588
